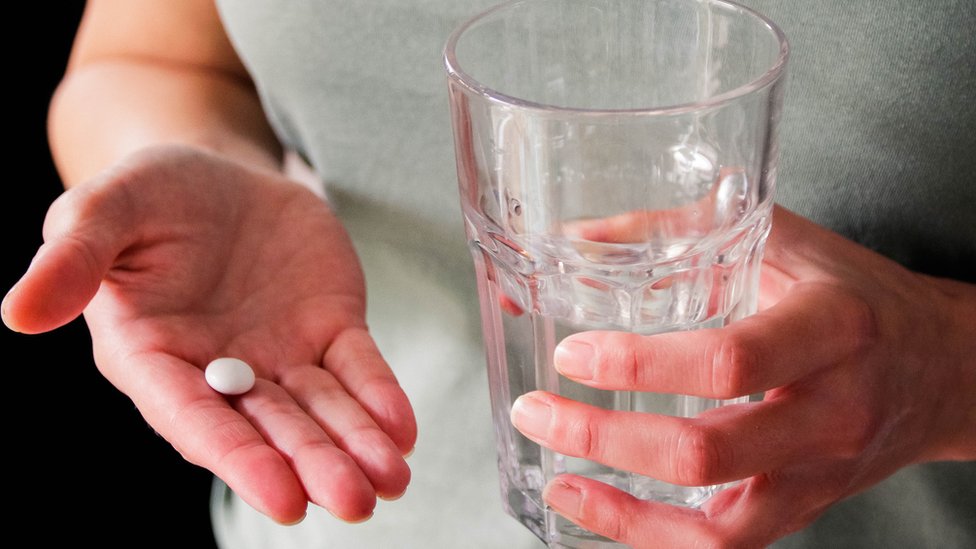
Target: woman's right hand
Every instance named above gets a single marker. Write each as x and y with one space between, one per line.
178 256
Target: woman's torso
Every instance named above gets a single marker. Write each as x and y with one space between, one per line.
877 143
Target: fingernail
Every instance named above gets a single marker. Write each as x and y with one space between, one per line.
359 521
296 521
392 498
562 496
575 359
530 415
350 521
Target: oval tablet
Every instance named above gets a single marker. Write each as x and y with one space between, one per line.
230 376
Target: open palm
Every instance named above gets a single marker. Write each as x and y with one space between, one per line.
178 257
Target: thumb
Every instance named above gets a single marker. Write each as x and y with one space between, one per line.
54 290
83 237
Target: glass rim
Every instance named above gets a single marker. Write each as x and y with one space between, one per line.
463 78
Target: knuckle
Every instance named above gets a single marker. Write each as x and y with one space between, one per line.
702 455
733 362
861 321
87 252
310 450
619 362
632 365
580 434
608 520
586 433
612 526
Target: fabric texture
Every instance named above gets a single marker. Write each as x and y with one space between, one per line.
877 143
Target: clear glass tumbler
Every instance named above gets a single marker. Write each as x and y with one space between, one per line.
616 161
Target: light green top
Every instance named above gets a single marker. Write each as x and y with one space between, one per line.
877 142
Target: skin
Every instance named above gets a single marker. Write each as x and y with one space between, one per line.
180 240
866 367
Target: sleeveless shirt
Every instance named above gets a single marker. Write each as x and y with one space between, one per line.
877 142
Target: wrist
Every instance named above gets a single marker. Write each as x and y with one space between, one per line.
106 110
959 342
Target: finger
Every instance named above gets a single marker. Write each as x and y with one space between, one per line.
57 286
628 227
751 514
804 250
770 506
718 446
85 229
175 399
799 249
815 326
346 423
774 285
357 364
617 515
329 476
693 219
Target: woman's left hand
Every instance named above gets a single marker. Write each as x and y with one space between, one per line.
866 367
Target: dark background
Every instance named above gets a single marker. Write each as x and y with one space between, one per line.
83 465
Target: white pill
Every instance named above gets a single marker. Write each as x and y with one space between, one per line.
229 376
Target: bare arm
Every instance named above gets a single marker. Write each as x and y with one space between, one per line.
150 72
866 367
181 243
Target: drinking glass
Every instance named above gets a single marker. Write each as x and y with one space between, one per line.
616 162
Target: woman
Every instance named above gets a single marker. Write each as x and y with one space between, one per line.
182 241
